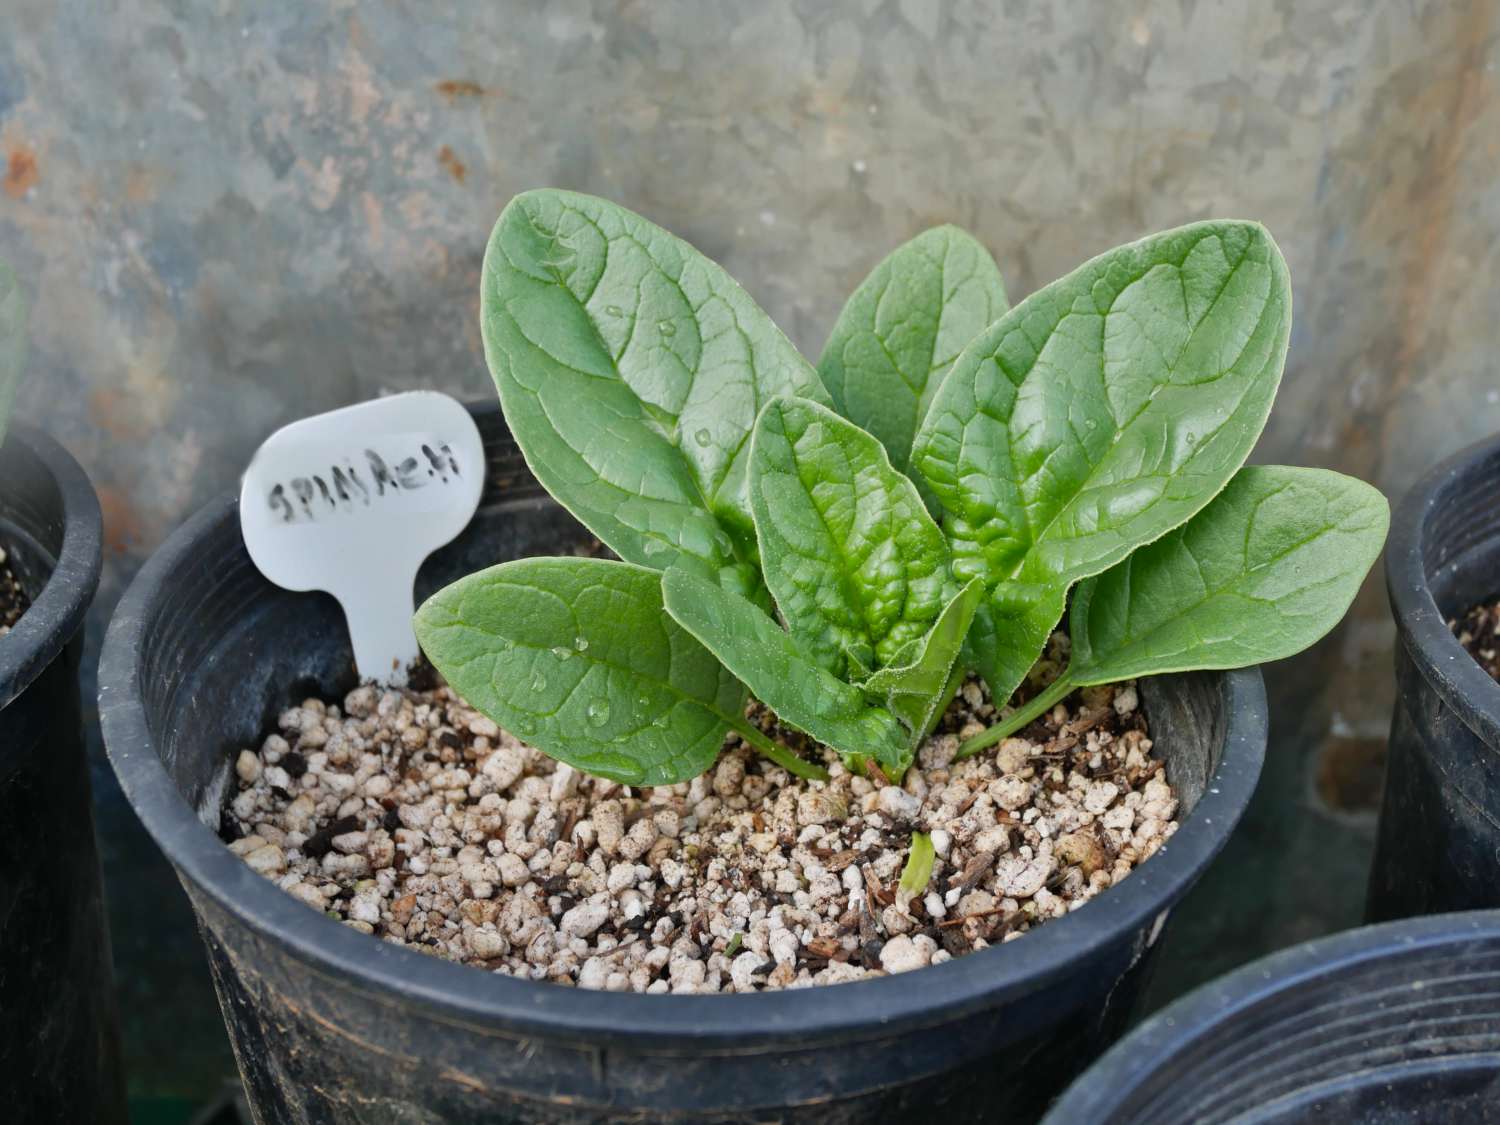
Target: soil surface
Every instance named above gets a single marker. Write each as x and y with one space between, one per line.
1479 632
13 600
409 816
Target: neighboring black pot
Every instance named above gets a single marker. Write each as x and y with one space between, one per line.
330 1025
1439 843
59 1034
1392 1023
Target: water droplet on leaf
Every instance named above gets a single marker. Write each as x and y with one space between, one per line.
614 310
538 681
580 643
703 437
598 712
666 328
561 653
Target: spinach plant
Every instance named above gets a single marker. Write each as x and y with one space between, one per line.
845 544
12 341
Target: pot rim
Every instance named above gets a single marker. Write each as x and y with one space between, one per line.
1456 676
57 612
1159 1039
539 1009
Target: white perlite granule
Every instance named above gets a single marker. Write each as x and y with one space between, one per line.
410 816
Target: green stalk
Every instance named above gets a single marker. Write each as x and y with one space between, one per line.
779 754
1054 694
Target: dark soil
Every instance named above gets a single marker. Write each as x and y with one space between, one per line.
1479 632
13 600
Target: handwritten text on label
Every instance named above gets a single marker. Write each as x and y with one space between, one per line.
340 487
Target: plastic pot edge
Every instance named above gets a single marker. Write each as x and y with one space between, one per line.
55 614
1161 1037
1454 674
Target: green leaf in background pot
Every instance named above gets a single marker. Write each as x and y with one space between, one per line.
631 369
1260 574
902 329
779 674
576 657
12 341
855 563
1098 414
918 690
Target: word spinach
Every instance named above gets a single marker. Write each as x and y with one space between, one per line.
846 543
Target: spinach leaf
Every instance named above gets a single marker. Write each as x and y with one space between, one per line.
1261 573
1265 570
855 563
902 329
576 657
918 687
1098 414
631 369
780 675
12 341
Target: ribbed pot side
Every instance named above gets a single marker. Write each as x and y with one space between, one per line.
1439 841
59 1036
1391 1023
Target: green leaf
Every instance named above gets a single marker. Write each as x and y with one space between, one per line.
918 870
779 674
631 369
1260 574
855 563
918 690
902 329
1098 414
576 657
12 341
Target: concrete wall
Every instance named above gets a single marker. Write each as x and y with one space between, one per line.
233 214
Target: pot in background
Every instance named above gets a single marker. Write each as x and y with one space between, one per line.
1392 1023
59 1034
331 1026
1439 841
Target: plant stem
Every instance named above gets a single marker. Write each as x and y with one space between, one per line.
1050 697
780 754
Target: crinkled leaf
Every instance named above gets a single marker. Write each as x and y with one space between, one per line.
779 674
902 329
1098 414
631 369
1261 573
855 563
577 657
12 341
917 690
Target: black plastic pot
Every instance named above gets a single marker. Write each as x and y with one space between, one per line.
1439 842
330 1025
59 1036
1386 1024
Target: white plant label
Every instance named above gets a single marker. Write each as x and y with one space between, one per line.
354 500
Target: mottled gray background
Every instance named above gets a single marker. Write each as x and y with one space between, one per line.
230 215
